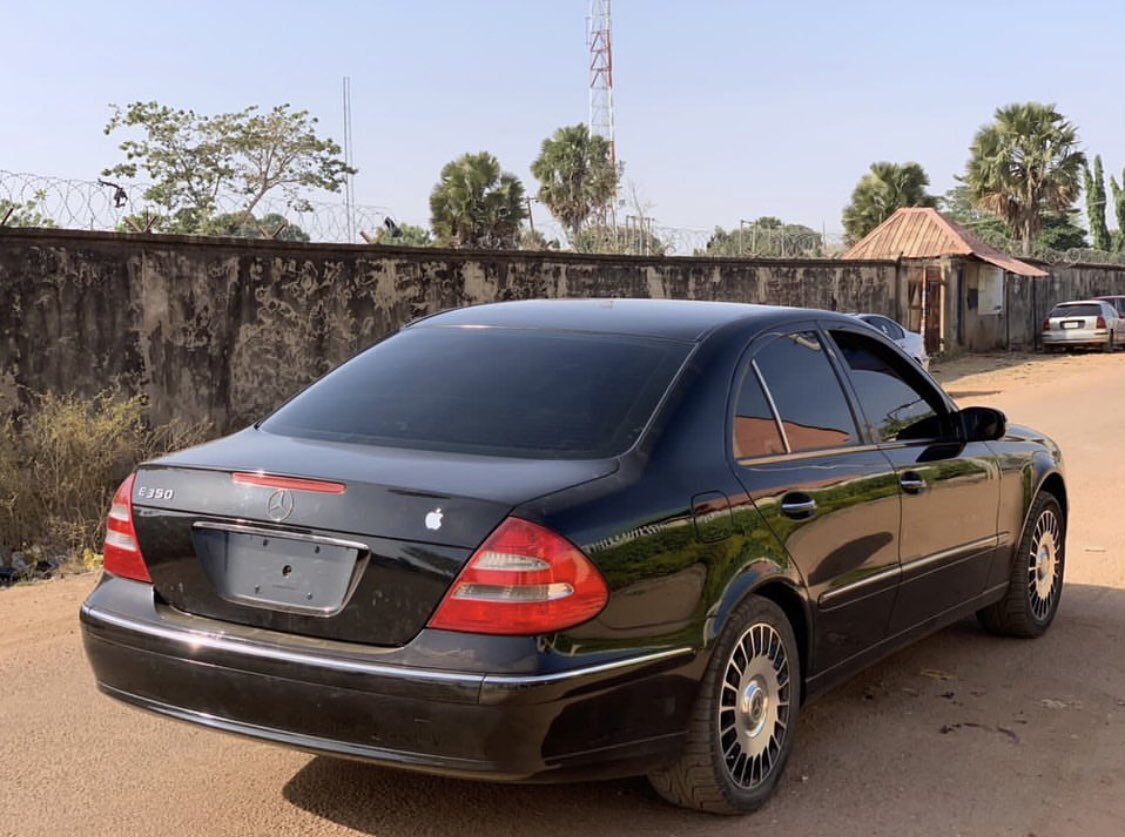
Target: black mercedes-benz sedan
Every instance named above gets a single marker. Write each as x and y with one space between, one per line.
559 540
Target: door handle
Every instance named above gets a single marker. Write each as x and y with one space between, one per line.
912 482
798 506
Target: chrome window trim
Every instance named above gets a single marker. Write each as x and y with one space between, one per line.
773 406
804 454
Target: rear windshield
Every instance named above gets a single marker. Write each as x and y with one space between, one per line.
1076 311
490 391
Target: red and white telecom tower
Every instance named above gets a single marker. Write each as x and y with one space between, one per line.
600 43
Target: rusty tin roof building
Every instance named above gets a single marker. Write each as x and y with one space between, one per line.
958 290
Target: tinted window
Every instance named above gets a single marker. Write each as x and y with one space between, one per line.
896 409
755 428
1076 311
491 391
806 392
888 327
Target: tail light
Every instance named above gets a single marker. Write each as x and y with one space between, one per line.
524 579
1047 325
1101 322
122 553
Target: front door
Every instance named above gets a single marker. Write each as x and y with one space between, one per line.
832 502
950 490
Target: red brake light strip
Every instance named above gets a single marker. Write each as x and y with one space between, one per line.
291 483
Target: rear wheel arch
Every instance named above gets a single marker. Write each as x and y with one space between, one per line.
795 607
782 591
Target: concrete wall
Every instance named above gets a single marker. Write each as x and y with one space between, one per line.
225 329
1031 300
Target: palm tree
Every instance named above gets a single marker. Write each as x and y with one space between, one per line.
1023 165
576 176
885 188
475 204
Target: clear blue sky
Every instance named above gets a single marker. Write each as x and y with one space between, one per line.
725 110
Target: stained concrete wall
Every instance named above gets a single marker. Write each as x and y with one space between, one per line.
226 329
1030 301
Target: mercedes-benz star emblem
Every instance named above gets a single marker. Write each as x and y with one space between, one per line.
280 505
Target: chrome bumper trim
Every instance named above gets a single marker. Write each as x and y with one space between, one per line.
193 640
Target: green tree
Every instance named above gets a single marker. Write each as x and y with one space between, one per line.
624 240
576 176
198 162
535 240
885 188
1094 186
1060 232
403 235
957 205
1023 165
475 204
241 225
766 237
1117 191
26 214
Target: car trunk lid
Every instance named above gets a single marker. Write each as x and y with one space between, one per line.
364 553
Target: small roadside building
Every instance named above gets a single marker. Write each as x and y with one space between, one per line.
956 290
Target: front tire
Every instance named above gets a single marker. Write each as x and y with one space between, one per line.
742 726
1035 588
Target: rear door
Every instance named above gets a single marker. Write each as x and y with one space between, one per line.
829 498
950 490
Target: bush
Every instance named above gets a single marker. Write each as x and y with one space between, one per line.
60 464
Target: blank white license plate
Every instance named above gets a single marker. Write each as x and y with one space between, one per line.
1072 325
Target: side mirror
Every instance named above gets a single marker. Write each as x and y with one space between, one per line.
983 424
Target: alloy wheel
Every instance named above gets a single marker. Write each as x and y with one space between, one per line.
1045 564
753 714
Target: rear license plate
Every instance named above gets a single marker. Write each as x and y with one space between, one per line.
261 568
1072 324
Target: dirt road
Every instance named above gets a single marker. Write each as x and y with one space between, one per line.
961 734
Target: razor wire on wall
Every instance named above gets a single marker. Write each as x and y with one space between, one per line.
37 201
31 200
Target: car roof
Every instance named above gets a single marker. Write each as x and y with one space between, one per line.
1080 302
678 319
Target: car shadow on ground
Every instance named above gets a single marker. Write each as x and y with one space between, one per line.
915 715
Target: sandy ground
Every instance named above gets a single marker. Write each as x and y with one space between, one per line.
961 734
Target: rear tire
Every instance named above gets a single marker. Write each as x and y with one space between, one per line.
1108 346
1036 581
741 729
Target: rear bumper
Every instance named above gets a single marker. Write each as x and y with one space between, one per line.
1075 337
614 716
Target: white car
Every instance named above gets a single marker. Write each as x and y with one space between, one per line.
909 341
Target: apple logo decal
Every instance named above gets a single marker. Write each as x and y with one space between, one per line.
433 520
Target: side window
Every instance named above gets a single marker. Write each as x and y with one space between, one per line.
755 426
806 392
897 404
893 330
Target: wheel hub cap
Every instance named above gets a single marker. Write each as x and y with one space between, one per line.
752 708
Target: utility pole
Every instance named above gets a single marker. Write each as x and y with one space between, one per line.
349 181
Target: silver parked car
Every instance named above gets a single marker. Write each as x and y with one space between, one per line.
1091 323
909 341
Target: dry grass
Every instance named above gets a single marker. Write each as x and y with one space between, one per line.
59 466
